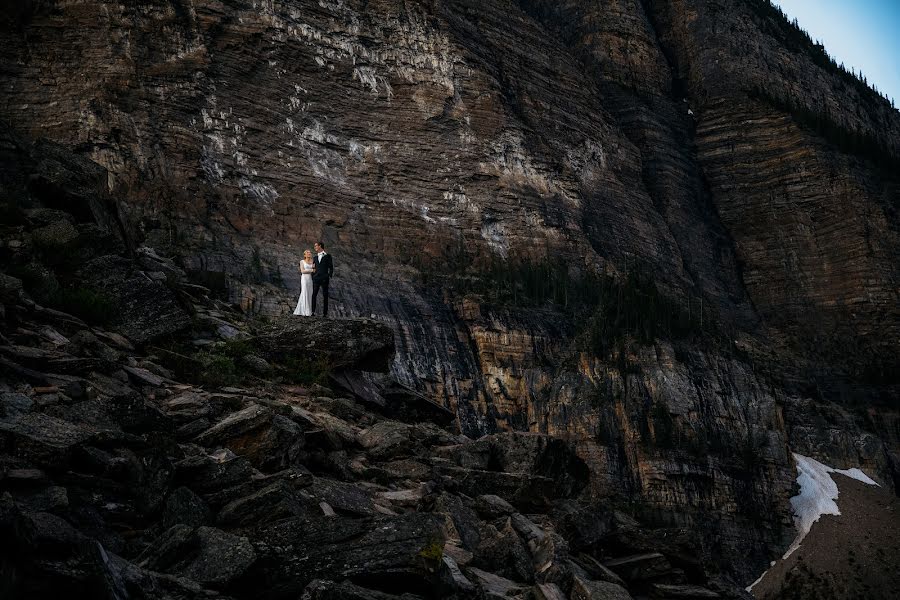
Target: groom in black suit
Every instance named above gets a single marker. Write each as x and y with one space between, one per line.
324 271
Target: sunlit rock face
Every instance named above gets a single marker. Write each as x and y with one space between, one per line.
609 136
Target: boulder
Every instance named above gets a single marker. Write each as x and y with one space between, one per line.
10 289
682 592
206 474
492 506
597 570
405 549
43 556
583 526
345 498
533 454
145 309
503 552
219 559
521 489
270 441
331 590
184 507
363 344
494 586
387 439
548 591
452 577
464 523
46 440
277 500
597 590
640 567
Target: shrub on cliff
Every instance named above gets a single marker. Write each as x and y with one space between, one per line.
87 304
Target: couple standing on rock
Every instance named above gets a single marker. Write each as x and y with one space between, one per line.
315 273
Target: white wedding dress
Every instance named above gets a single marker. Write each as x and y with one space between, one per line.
304 305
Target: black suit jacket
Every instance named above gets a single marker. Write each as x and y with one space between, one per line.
324 268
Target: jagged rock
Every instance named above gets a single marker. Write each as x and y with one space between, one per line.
12 404
151 261
523 490
407 498
146 309
55 236
582 526
48 555
452 577
143 376
167 549
220 559
597 570
526 528
548 591
50 499
551 559
236 425
411 406
205 474
492 506
640 567
271 442
330 590
343 497
387 439
406 548
494 586
465 525
184 507
10 289
46 440
276 501
256 364
597 590
361 344
682 592
503 552
407 469
460 555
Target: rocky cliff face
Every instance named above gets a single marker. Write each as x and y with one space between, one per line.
426 143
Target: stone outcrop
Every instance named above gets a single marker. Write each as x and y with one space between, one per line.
432 146
121 479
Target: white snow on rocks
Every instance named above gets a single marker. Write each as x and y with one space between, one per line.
817 496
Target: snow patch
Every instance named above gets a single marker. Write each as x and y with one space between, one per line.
818 492
817 496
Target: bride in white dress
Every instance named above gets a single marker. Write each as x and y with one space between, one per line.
307 268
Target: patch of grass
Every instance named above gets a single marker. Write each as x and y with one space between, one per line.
87 304
433 551
307 371
218 370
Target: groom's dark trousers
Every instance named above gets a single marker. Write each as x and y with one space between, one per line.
323 285
321 278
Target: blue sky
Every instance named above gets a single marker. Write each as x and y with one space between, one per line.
864 34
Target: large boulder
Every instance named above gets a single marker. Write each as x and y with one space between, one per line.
270 441
144 308
405 551
363 344
519 466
